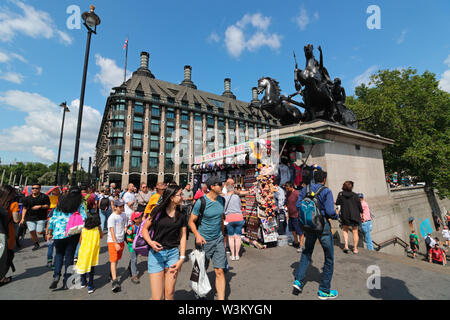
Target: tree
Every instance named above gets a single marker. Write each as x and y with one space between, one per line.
412 110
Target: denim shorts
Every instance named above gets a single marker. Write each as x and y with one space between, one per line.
294 226
158 261
215 250
38 226
235 227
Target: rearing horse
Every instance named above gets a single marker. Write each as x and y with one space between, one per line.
317 95
276 104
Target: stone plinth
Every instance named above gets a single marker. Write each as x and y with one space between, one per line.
350 155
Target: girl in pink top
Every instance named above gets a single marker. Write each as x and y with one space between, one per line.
366 222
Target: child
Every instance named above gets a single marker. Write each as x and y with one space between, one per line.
116 234
89 249
446 235
136 219
414 243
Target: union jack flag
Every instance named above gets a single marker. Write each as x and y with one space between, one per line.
125 45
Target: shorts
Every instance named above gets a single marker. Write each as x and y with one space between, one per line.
235 228
215 250
294 226
38 226
115 255
414 246
158 261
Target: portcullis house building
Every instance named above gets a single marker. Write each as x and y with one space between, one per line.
152 130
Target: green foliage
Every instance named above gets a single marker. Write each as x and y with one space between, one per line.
38 172
412 110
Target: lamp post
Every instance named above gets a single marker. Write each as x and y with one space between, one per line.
65 109
91 21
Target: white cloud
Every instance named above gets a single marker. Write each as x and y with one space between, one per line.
401 39
13 77
235 38
302 20
444 83
316 15
5 57
31 22
364 77
110 75
40 133
39 70
213 37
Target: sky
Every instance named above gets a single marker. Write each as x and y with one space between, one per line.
42 49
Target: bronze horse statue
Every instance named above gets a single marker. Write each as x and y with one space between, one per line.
276 104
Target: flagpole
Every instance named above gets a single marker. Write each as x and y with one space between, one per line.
126 60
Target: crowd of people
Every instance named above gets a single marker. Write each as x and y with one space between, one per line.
74 225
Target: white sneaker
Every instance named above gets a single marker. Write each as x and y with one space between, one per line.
236 258
233 258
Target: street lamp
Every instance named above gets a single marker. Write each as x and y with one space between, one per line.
91 20
65 109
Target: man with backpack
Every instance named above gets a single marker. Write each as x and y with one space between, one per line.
209 211
323 205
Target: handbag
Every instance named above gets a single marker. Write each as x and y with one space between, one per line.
199 279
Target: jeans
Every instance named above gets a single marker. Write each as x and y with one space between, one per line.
366 228
326 241
50 250
133 262
65 250
76 251
91 278
104 215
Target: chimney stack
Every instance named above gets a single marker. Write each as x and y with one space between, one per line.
145 56
143 70
227 92
187 78
255 101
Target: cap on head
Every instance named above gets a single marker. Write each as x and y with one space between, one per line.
119 203
213 181
360 195
136 215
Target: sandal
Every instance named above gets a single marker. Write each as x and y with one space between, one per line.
355 252
5 281
345 250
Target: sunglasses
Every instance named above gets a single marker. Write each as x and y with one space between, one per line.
35 188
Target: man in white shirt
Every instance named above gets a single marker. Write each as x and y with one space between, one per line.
129 200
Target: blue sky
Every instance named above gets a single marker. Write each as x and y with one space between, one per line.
41 59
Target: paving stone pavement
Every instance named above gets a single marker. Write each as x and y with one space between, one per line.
259 275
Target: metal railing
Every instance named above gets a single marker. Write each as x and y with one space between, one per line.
395 240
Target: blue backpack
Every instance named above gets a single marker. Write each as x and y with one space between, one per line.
310 217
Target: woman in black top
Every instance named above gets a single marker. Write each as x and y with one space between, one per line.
165 232
350 215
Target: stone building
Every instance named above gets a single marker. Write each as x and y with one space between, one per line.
152 129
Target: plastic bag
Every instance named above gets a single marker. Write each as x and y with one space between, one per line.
199 279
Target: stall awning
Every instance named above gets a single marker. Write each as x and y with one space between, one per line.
303 139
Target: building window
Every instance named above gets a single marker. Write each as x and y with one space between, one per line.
217 103
221 122
156 97
170 100
185 126
138 125
185 116
118 124
136 159
170 115
198 117
118 117
116 142
169 146
155 111
232 124
210 109
184 103
138 107
115 161
153 162
210 120
117 134
139 94
198 106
